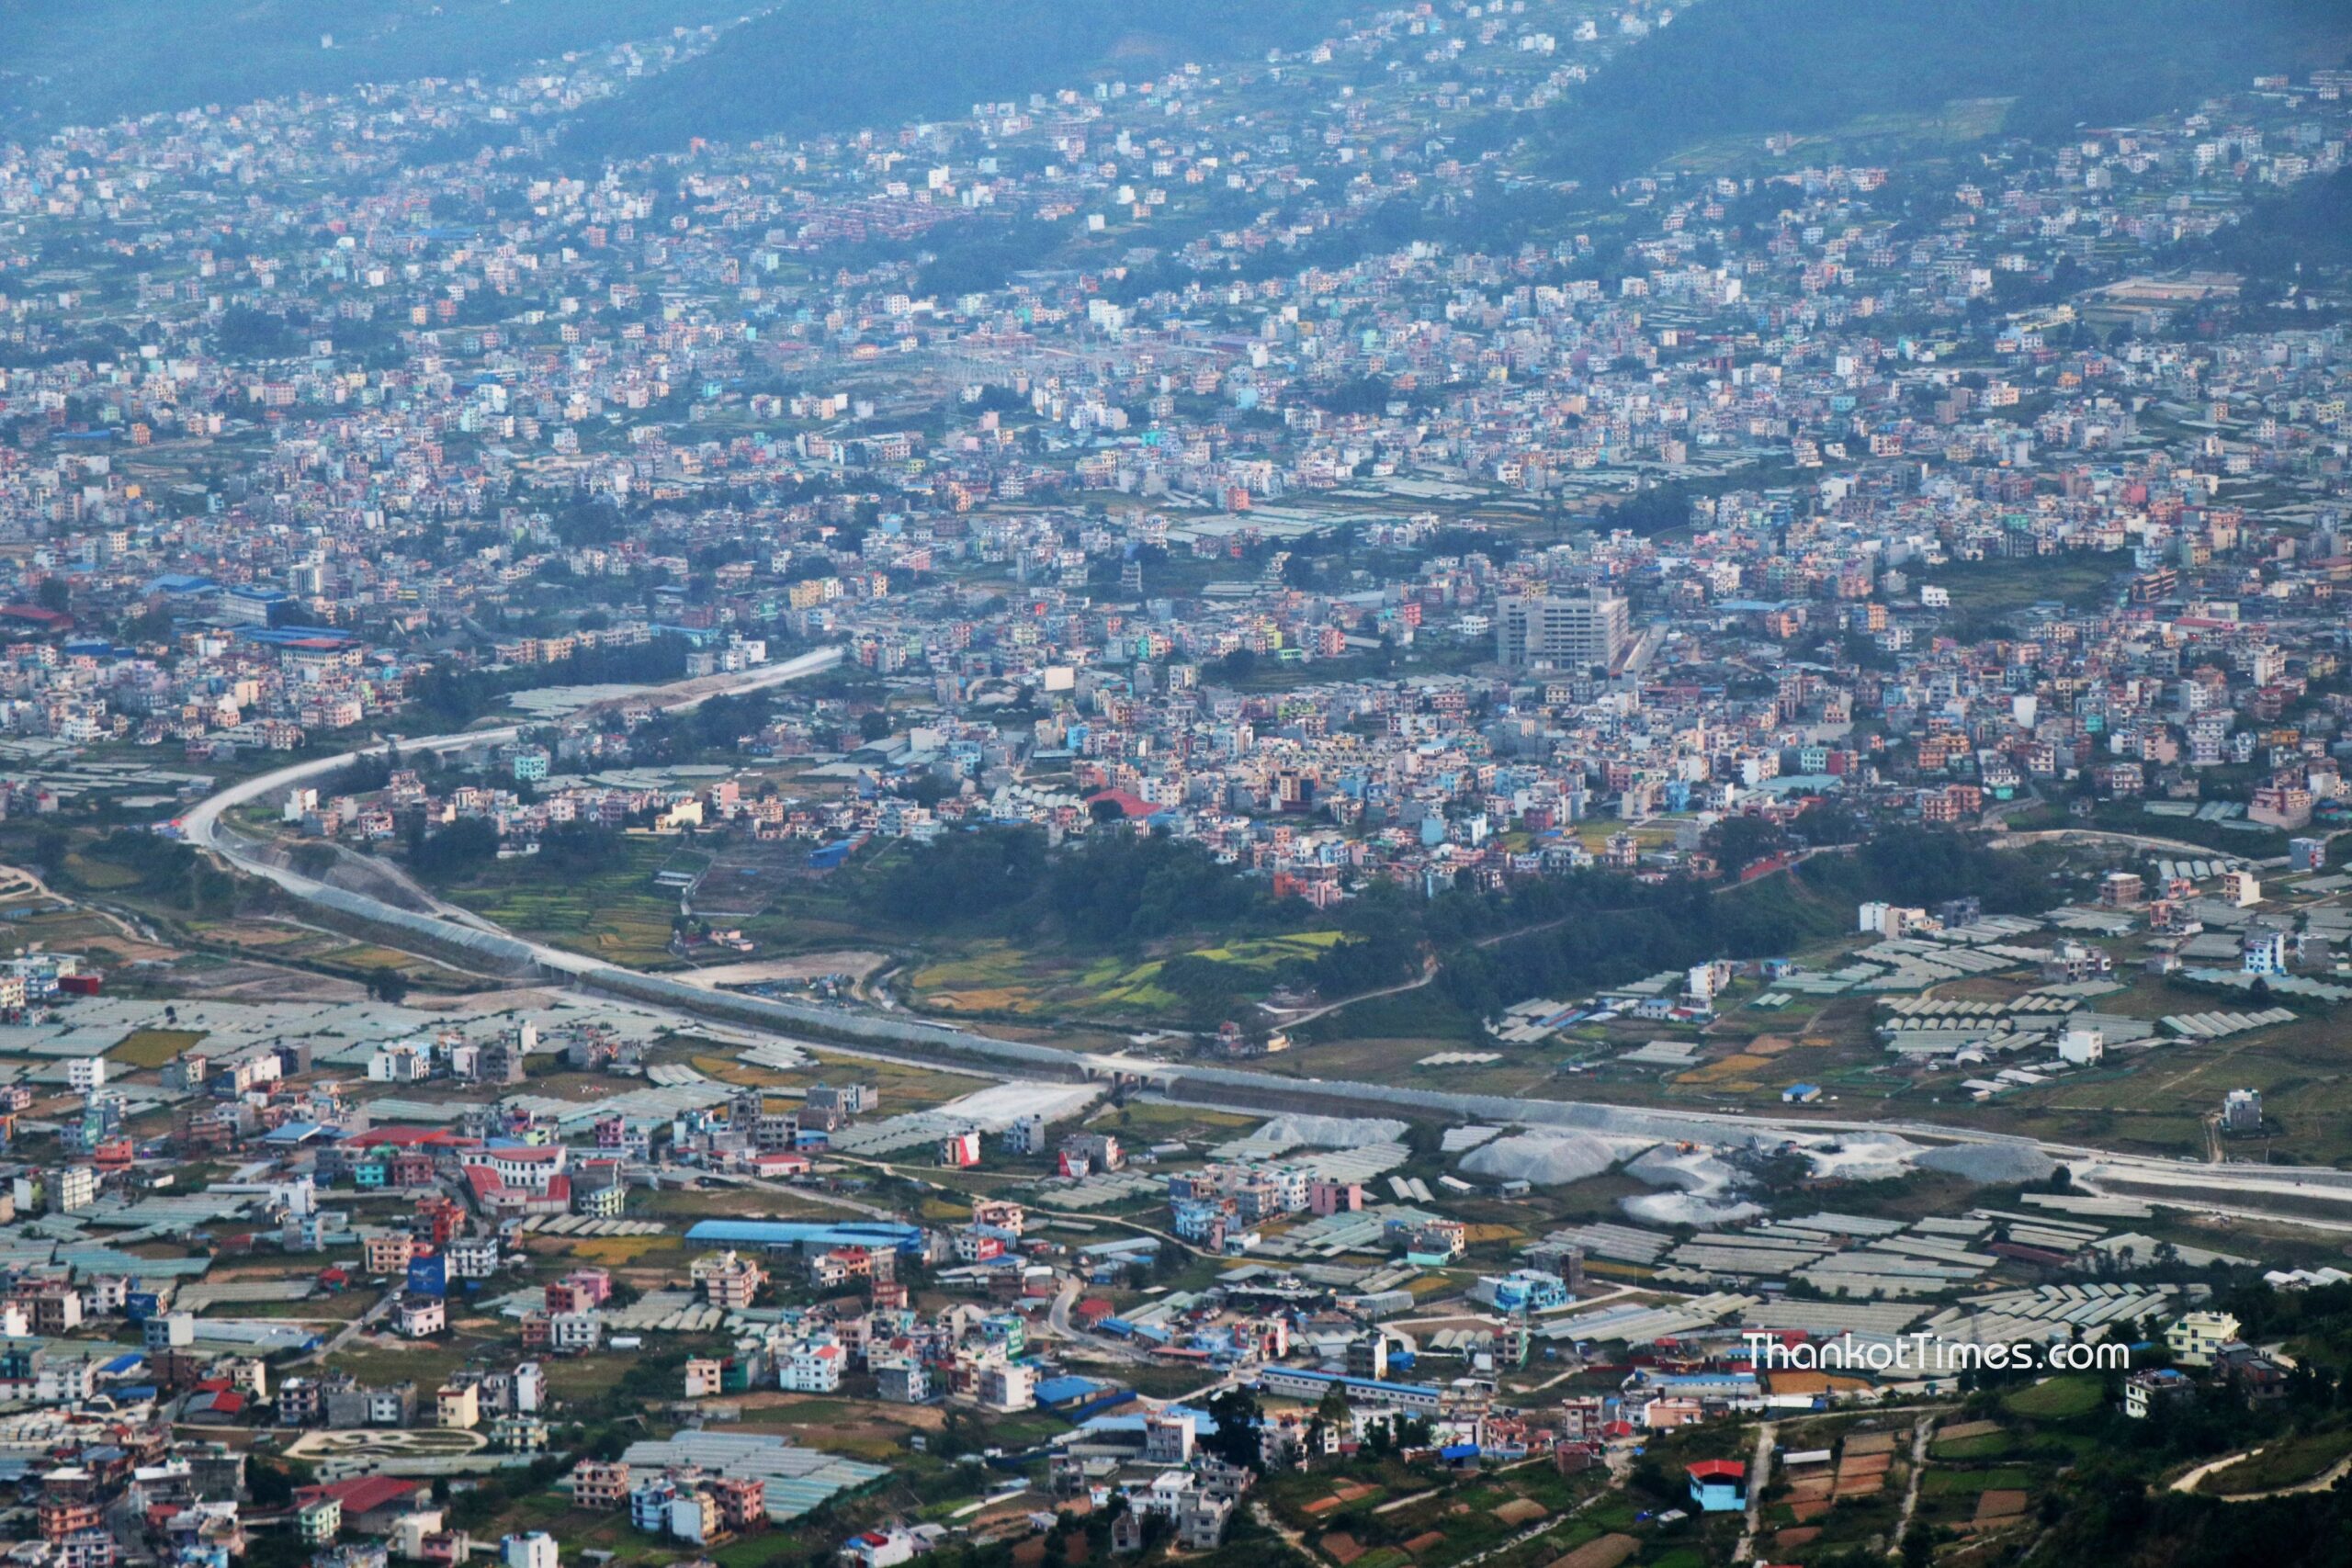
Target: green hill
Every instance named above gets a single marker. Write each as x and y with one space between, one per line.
81 61
1750 68
816 65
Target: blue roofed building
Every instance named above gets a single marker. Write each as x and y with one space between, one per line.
786 1232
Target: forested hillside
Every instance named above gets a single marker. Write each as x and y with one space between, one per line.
79 61
1755 67
828 64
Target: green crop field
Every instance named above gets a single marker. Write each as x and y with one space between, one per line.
2290 1461
152 1047
1995 587
619 914
2056 1399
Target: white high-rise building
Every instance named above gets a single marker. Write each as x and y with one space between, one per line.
1554 633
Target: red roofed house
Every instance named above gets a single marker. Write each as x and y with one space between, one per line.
1719 1485
499 1197
37 618
370 1503
1130 806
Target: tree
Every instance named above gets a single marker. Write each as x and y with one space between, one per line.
1235 1440
962 1432
1237 667
272 1487
1741 841
455 853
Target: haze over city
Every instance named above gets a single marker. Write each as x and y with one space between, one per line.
1517 785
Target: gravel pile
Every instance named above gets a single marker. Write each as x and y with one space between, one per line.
1330 1132
1547 1159
1989 1165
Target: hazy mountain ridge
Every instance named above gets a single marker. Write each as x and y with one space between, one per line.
815 65
1755 67
83 62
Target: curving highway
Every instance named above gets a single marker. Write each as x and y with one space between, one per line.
2224 1190
202 826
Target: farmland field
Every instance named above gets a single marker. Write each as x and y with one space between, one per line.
152 1047
2056 1400
619 914
1001 978
2290 1461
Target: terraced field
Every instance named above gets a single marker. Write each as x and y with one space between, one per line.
621 914
999 977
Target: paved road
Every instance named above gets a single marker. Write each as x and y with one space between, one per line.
1759 1476
2323 1482
2228 1191
119 922
1058 1319
1921 1430
202 824
351 1330
1429 973
2183 848
783 1189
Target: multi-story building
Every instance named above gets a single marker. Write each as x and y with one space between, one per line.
811 1366
1550 632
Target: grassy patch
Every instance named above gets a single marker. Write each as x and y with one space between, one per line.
2056 1399
1959 1482
617 914
1992 1445
2288 1462
366 958
99 876
1993 588
152 1047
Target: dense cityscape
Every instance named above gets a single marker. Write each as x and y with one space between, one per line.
1476 785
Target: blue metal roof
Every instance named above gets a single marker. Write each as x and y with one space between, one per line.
1204 1423
1419 1390
783 1233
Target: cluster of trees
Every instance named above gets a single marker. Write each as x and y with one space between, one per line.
1928 867
1554 935
1589 929
90 62
2103 1511
169 871
1368 395
824 64
2310 225
1657 509
1114 890
714 725
451 699
465 849
244 333
1757 66
457 852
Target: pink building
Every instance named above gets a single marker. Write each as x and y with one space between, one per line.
1334 1197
